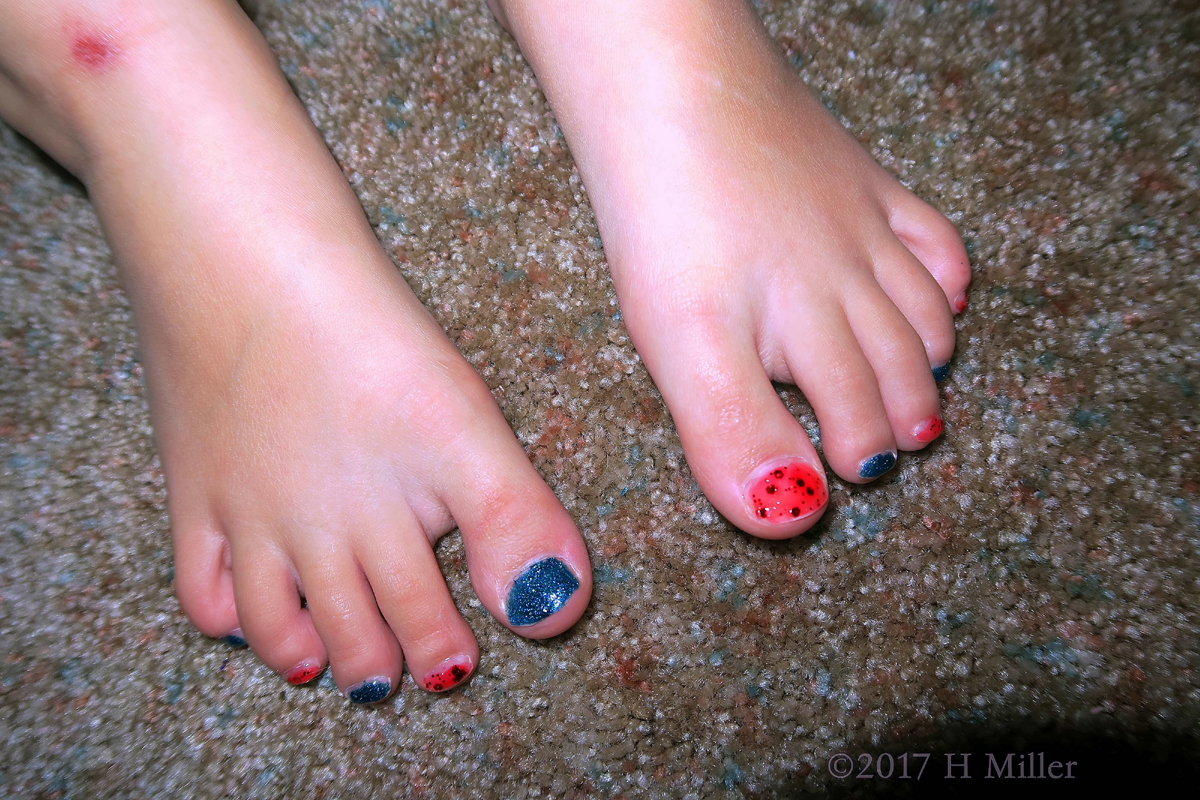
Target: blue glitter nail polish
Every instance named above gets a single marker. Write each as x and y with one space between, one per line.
540 590
876 465
370 691
235 639
941 373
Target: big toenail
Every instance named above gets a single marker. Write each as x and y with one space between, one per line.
876 465
448 674
543 588
929 429
370 691
788 493
941 373
960 302
235 639
303 672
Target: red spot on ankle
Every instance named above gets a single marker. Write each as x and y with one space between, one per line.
447 677
303 673
94 52
929 430
788 493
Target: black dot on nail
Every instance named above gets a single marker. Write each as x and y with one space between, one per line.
778 473
771 490
800 481
795 512
762 512
810 491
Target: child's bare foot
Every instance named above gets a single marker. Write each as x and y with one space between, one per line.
751 240
317 429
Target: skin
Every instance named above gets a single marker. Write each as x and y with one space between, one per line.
318 431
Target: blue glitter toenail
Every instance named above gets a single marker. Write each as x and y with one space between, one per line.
875 466
234 640
370 691
540 590
941 373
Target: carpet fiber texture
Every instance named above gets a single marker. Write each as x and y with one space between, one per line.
1028 582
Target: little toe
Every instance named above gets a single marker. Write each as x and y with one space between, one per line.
399 562
204 579
747 451
528 563
828 364
364 656
919 298
935 242
273 617
901 366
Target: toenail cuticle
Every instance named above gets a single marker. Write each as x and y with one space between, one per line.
876 465
928 430
371 690
303 672
542 589
941 373
788 491
235 639
448 674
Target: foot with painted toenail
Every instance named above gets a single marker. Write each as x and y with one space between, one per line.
751 241
317 430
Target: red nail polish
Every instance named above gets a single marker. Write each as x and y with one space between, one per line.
960 303
448 674
303 673
788 493
929 430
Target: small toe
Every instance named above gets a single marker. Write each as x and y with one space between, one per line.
204 580
936 243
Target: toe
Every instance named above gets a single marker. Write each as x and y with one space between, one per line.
901 366
920 300
400 565
745 448
204 579
827 362
273 617
364 655
529 565
936 244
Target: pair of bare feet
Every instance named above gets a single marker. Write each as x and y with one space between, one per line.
318 431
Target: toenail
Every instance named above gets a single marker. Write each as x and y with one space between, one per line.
235 639
876 465
929 429
941 373
960 302
788 492
543 588
370 691
448 674
303 672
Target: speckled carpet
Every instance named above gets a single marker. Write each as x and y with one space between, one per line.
1028 584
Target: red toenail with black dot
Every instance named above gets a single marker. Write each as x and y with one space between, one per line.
448 675
788 493
303 673
929 429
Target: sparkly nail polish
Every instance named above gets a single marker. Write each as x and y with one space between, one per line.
234 639
929 429
303 672
448 674
876 465
788 492
941 373
543 588
370 691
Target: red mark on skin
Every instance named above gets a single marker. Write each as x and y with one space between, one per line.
303 673
960 303
450 674
929 430
93 52
788 493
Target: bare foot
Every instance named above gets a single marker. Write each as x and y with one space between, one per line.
751 240
318 431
